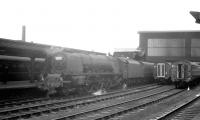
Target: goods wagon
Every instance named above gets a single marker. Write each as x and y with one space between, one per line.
162 72
185 73
86 73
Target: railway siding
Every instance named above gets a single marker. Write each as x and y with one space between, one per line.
135 100
8 104
37 108
123 108
162 110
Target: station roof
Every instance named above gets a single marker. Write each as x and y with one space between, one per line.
29 49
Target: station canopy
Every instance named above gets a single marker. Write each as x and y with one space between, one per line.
29 49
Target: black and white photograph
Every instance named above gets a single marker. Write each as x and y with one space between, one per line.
100 60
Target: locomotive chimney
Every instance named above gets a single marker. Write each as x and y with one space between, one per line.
24 33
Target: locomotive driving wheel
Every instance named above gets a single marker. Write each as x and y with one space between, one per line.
93 87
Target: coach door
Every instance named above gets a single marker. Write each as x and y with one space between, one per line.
180 71
161 70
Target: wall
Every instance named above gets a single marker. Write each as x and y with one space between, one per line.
170 45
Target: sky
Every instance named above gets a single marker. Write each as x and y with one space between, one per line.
95 25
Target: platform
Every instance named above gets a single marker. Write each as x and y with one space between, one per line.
17 85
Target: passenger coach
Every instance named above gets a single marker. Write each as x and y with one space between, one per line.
162 72
185 73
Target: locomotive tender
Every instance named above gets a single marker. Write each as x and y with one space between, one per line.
84 73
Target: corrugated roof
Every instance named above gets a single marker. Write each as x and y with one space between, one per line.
17 44
22 45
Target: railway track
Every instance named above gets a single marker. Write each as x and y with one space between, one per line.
28 108
135 101
183 106
187 110
9 103
8 95
120 108
14 102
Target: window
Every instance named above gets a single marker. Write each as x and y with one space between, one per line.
161 70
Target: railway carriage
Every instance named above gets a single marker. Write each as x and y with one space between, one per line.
162 72
185 73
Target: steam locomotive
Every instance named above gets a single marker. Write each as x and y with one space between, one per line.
87 73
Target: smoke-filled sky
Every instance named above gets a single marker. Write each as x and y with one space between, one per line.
97 25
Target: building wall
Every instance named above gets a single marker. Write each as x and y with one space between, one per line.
170 46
